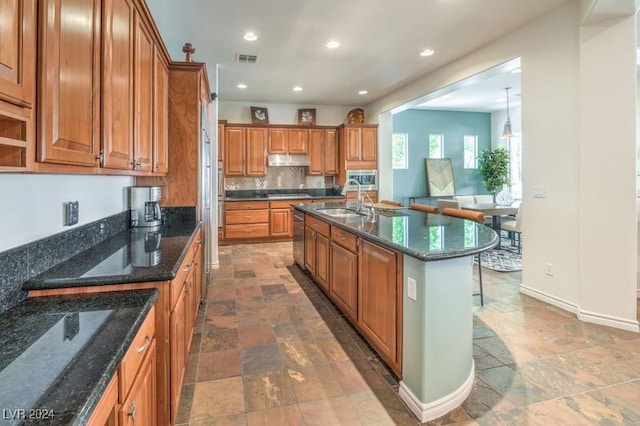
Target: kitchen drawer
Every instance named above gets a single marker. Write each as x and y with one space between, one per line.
281 204
248 216
135 354
246 205
344 238
253 230
318 225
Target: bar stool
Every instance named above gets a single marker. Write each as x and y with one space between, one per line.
476 217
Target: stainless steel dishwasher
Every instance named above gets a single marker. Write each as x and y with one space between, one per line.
298 238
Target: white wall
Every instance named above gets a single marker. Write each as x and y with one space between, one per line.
32 204
561 149
326 115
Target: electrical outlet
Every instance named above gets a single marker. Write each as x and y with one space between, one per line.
71 212
548 269
412 291
539 192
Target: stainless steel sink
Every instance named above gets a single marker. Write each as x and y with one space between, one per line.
340 212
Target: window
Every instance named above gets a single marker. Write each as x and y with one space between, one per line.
470 151
436 146
400 150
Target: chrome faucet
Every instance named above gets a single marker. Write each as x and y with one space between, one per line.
358 196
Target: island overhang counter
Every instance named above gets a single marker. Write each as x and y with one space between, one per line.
436 337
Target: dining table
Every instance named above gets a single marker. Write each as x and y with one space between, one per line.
496 211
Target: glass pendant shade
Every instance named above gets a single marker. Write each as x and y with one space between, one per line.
506 132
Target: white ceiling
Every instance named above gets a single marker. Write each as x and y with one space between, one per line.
379 51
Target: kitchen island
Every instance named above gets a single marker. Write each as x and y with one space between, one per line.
404 279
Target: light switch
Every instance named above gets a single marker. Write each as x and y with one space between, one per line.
411 289
539 192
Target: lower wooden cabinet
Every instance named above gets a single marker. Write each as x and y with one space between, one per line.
176 347
363 279
344 280
140 406
379 299
246 220
107 411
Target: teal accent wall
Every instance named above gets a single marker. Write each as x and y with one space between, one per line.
419 124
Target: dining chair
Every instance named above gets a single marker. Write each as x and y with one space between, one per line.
423 208
392 203
483 199
513 227
443 204
464 199
476 217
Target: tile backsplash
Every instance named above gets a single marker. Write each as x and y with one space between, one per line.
280 178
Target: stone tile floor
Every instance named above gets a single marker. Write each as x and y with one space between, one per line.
271 349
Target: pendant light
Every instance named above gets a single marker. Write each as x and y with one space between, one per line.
506 132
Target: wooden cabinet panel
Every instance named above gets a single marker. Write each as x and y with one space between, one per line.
344 280
298 141
246 205
69 95
281 222
330 152
316 152
140 406
160 114
256 164
277 141
143 101
177 354
251 230
235 217
352 143
234 148
344 238
221 134
318 225
117 80
134 357
310 249
106 412
369 144
322 262
377 298
17 51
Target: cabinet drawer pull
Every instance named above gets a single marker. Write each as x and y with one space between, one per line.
247 217
132 411
186 268
144 347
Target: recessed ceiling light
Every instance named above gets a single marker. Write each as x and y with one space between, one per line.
250 36
297 89
333 44
363 92
516 71
427 52
242 86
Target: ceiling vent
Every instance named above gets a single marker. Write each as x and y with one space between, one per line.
246 59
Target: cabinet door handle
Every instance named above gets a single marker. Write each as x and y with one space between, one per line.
132 411
144 347
186 268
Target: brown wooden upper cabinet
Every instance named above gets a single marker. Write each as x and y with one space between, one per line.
69 86
359 146
245 151
103 86
283 140
17 51
17 82
323 153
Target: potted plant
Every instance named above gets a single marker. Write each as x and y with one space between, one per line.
494 169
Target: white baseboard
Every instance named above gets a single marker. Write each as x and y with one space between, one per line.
433 410
552 300
609 321
586 316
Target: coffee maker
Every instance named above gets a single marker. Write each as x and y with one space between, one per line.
145 208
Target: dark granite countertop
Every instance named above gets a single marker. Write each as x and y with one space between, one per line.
132 256
421 235
58 353
282 194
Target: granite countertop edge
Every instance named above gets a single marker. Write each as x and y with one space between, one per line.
35 284
293 199
86 411
405 250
